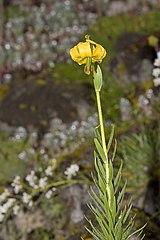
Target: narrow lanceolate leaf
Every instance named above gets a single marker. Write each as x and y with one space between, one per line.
97 134
110 171
113 207
118 230
100 166
102 222
110 138
103 196
143 237
127 231
96 232
114 151
101 177
93 234
127 213
100 149
121 194
118 178
137 231
128 228
140 233
98 205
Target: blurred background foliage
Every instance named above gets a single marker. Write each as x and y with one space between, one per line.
47 106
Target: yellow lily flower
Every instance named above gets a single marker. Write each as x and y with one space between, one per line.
87 53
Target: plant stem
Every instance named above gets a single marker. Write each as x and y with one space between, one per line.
103 144
101 123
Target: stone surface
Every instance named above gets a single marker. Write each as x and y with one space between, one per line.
31 104
133 61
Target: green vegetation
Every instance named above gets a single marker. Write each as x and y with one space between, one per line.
11 165
141 154
12 12
69 73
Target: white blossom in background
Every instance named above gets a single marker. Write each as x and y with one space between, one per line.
157 62
6 206
16 184
149 93
156 82
143 101
156 71
16 209
1 217
43 182
30 204
31 151
42 151
48 194
71 171
21 190
31 178
61 135
158 54
48 171
4 195
22 155
26 198
54 189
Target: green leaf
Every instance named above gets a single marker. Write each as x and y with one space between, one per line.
97 202
121 194
127 213
102 222
137 231
100 165
128 228
97 134
95 232
100 150
101 176
110 172
110 138
114 151
118 230
124 211
118 178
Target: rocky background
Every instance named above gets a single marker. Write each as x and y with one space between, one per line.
48 112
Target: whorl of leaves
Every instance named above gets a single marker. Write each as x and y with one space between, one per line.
114 220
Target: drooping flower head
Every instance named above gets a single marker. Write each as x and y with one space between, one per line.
87 53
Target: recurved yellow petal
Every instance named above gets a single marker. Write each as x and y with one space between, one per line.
99 53
84 49
75 54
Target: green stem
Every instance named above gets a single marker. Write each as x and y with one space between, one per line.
103 144
101 123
